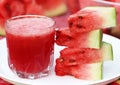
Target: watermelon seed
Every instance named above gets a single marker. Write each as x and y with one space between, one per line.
69 38
80 17
58 32
79 26
70 24
71 61
82 52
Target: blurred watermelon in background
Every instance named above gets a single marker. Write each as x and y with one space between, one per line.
10 8
73 5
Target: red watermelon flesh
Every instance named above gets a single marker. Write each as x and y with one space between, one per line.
60 68
92 39
75 56
83 21
63 37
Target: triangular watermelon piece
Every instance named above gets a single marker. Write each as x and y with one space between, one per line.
91 18
92 39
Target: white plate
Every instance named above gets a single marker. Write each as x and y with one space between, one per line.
111 69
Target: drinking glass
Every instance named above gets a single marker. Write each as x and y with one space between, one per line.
30 43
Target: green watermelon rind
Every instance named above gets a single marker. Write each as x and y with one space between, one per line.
95 39
96 71
92 71
2 31
108 15
107 51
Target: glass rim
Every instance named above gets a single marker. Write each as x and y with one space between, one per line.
30 16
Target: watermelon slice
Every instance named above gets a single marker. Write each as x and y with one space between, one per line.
90 39
91 18
91 71
75 56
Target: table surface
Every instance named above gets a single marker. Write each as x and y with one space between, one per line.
61 22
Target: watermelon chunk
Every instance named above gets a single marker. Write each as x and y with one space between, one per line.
91 71
90 39
75 56
91 18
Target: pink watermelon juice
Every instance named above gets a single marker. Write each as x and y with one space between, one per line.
30 42
106 3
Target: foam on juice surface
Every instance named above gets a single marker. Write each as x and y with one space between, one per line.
30 26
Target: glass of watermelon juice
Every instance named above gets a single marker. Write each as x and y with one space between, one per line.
106 3
30 43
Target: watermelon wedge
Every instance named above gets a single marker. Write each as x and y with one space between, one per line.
90 39
75 56
91 71
91 18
